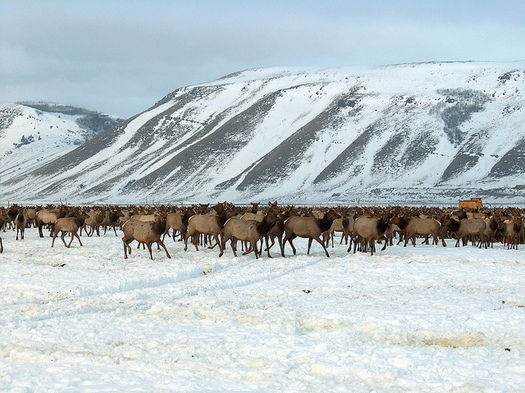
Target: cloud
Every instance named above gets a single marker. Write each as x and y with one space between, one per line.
121 57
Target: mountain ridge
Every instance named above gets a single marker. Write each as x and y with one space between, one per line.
33 134
396 133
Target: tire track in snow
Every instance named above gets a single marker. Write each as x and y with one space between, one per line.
132 295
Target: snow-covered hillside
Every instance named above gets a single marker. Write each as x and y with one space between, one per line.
409 133
33 134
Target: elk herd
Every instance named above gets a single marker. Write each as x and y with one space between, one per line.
257 227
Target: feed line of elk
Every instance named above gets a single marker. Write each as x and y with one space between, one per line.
360 227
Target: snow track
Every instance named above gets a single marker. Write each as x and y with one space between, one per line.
426 319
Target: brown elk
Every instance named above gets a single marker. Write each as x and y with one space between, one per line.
490 230
467 229
69 225
144 231
31 216
208 224
3 218
367 230
307 227
511 233
418 226
345 225
277 229
245 230
473 228
49 217
11 214
94 220
21 223
249 216
111 220
178 222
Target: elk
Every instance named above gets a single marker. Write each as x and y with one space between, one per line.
111 219
31 216
69 225
467 228
147 232
49 217
473 228
11 213
208 224
93 220
511 233
249 216
345 225
3 219
307 227
367 230
490 231
178 222
277 229
21 223
418 226
245 230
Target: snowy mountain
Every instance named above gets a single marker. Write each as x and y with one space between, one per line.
412 133
35 133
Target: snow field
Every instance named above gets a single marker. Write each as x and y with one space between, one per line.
425 319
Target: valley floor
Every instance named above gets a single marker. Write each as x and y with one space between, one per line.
424 319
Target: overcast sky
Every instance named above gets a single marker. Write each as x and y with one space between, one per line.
120 57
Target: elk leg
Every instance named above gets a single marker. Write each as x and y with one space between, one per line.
291 244
148 244
62 236
54 237
194 239
164 246
271 245
310 245
217 242
233 243
126 240
282 243
224 239
71 241
186 242
216 238
321 243
76 235
268 247
357 241
39 225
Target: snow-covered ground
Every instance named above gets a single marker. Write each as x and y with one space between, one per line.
424 319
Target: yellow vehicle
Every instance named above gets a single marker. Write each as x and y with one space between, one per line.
472 203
